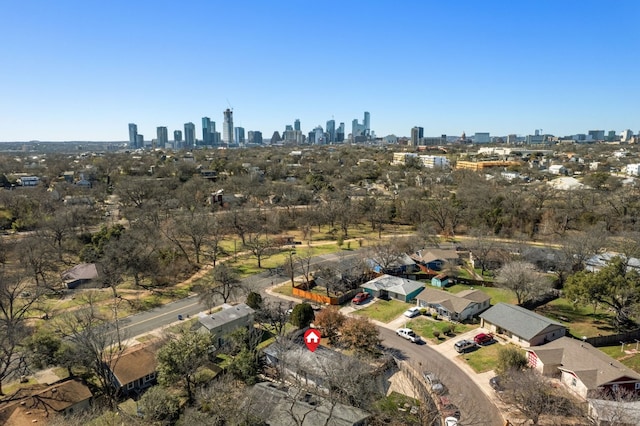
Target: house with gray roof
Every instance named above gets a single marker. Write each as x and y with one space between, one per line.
387 286
521 326
435 258
292 406
83 275
223 322
456 307
599 261
586 371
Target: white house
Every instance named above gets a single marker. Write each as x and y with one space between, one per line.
633 169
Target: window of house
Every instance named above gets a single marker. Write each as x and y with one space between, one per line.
130 385
615 387
574 382
637 385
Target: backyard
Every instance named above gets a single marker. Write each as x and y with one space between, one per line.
581 320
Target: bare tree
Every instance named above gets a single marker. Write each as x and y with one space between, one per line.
97 343
224 284
523 279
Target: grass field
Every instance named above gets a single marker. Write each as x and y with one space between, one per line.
631 360
384 310
425 327
581 320
484 358
497 294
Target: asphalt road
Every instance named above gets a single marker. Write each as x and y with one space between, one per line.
145 322
475 407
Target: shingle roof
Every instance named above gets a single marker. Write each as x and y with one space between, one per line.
592 366
83 271
519 321
135 363
225 316
393 284
452 302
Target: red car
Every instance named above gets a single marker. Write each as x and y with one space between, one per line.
483 338
360 298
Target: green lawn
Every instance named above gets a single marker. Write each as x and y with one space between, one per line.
484 358
384 310
630 360
581 320
497 294
284 289
425 327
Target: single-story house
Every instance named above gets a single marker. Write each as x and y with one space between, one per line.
388 286
223 322
599 261
135 369
435 258
404 264
583 369
82 275
37 404
521 326
291 406
440 280
298 362
456 307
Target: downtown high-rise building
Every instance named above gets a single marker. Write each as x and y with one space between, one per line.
239 135
208 131
367 123
189 135
133 135
177 139
340 133
227 127
417 133
162 137
296 124
331 131
361 132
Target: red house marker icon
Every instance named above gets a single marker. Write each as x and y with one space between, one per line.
312 339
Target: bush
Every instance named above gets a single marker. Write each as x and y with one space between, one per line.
446 330
434 315
254 300
510 358
302 315
423 311
436 334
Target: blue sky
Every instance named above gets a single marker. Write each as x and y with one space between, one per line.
83 70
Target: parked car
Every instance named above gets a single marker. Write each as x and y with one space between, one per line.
496 384
412 312
434 383
180 317
450 421
408 334
448 409
483 338
360 298
464 345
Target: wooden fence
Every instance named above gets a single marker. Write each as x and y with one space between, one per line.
614 339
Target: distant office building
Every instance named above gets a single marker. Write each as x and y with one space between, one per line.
139 141
340 133
597 135
626 136
296 124
207 131
239 134
331 131
433 140
482 138
535 139
512 139
177 138
255 137
319 135
611 136
433 161
227 127
367 123
189 135
162 137
133 135
275 138
417 133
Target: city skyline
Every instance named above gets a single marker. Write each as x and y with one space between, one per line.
81 71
